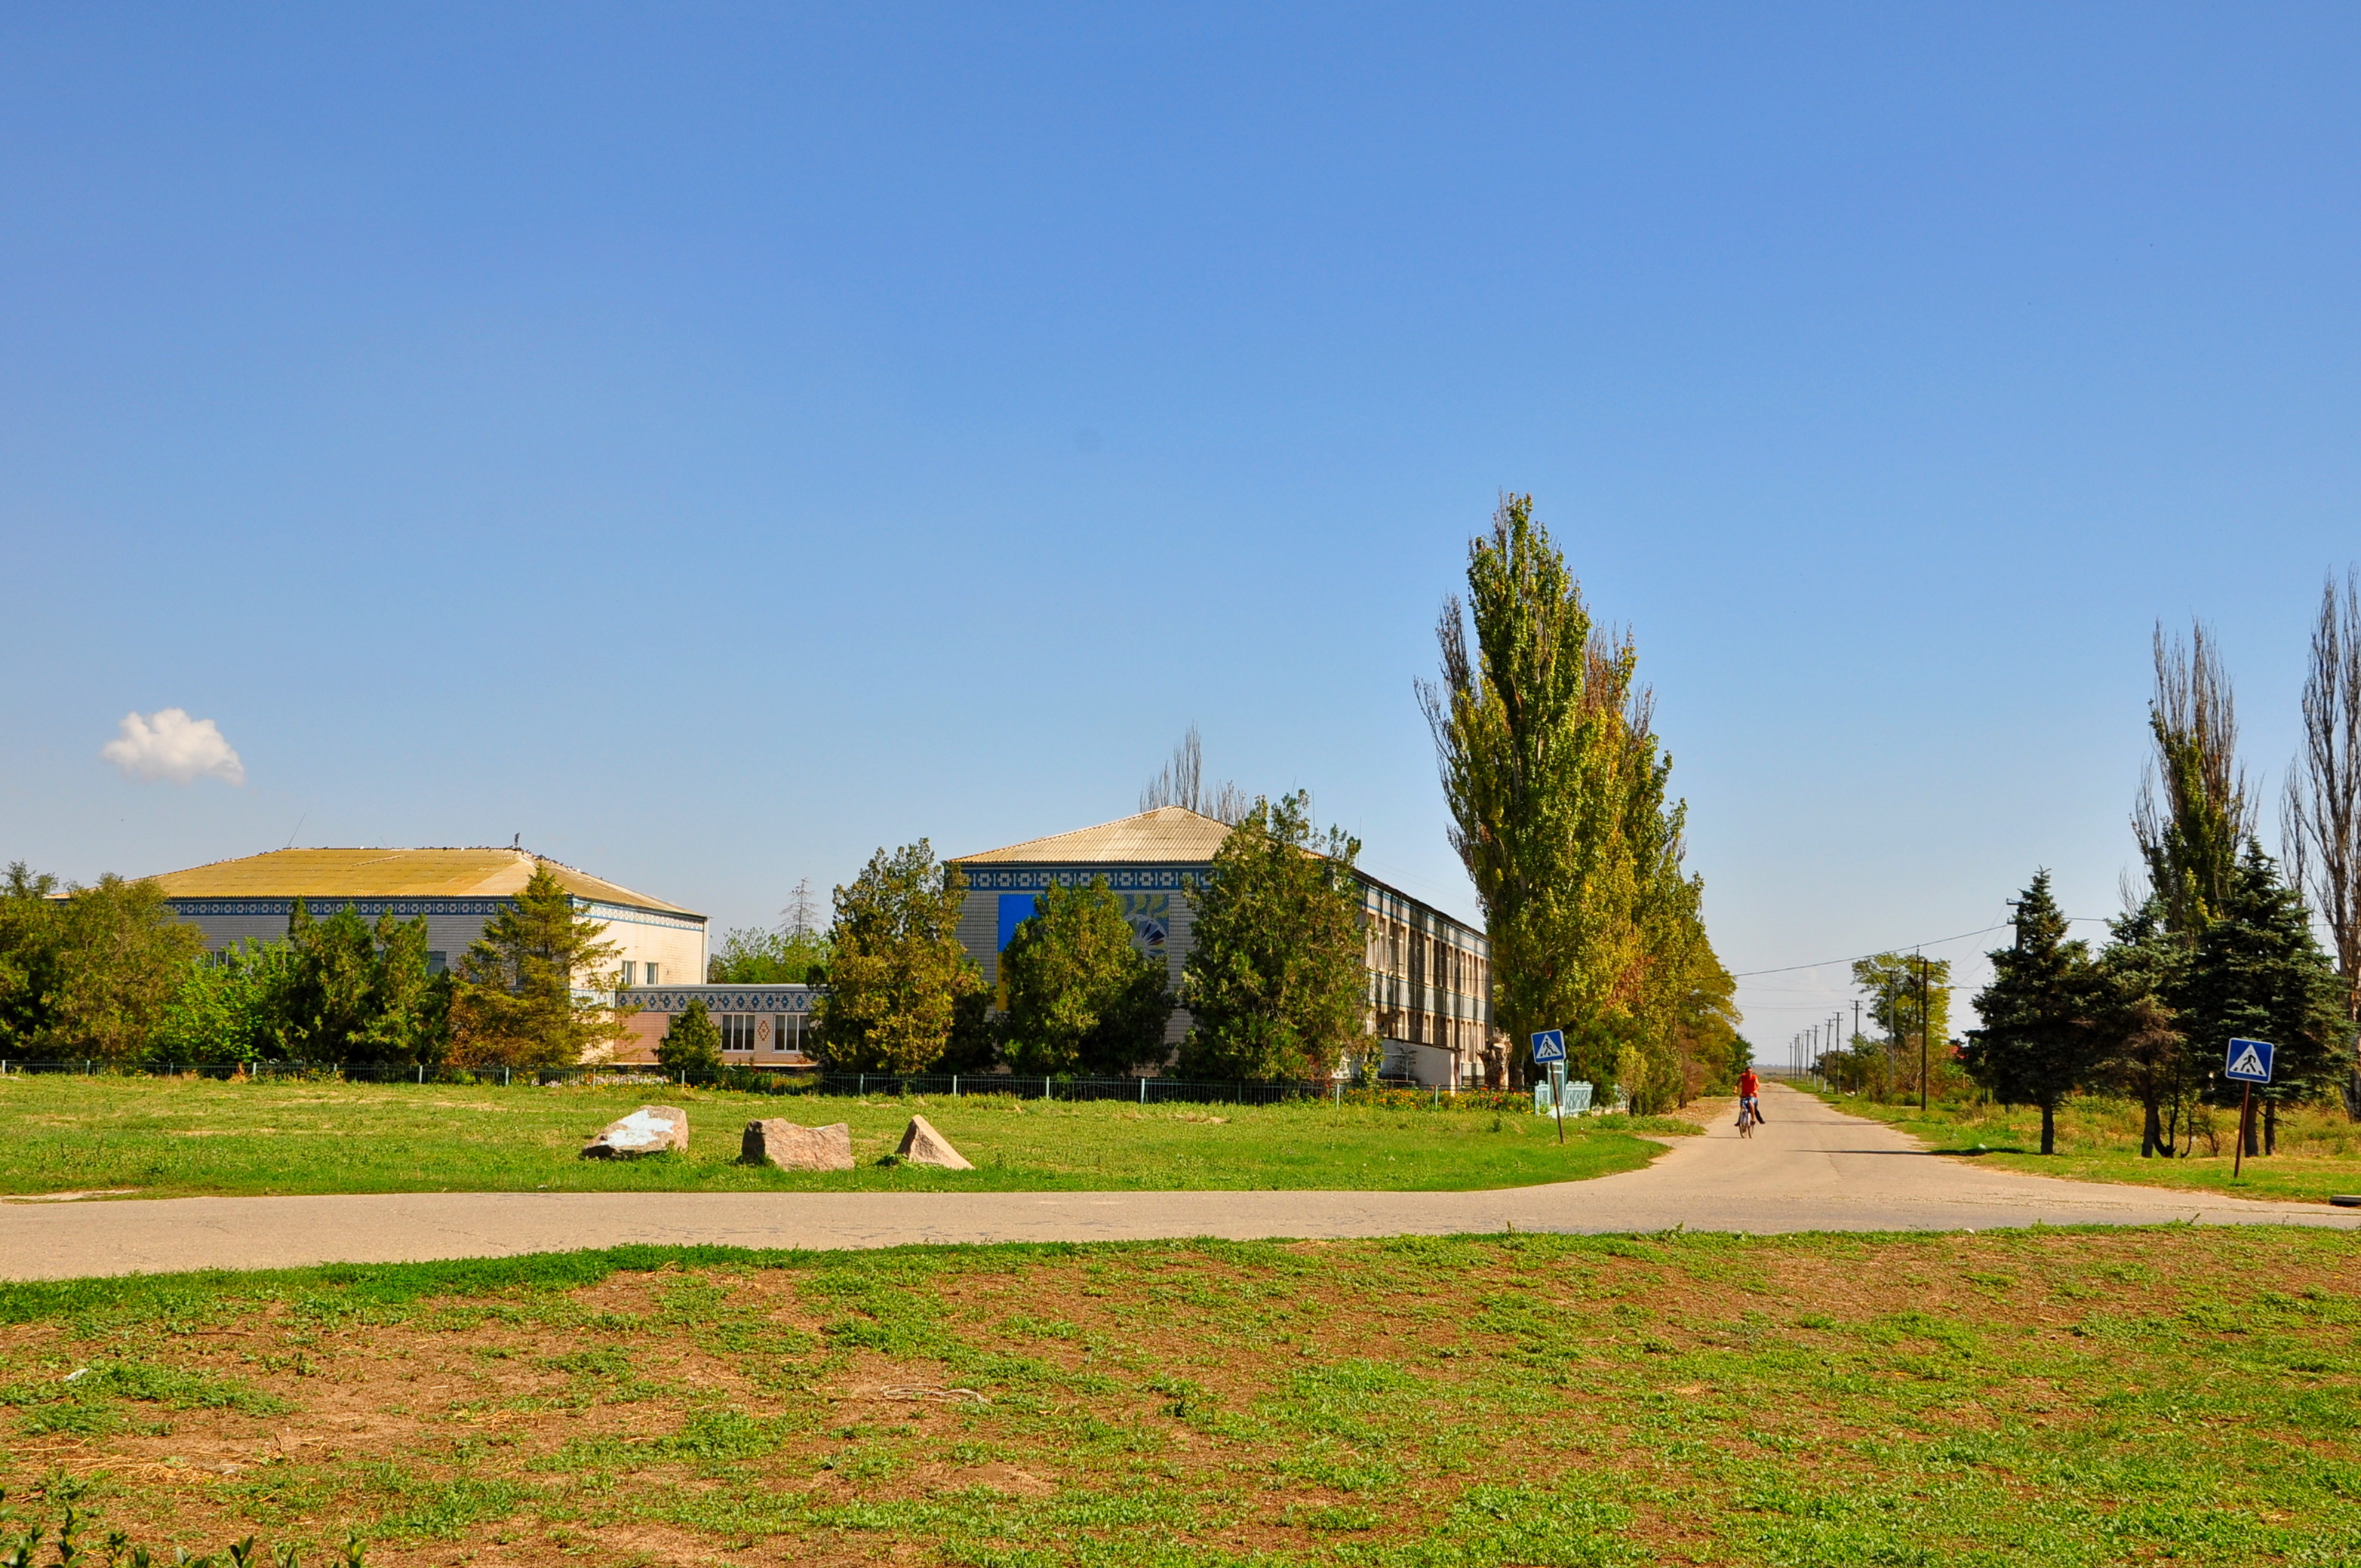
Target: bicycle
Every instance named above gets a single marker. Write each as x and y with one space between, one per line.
1746 1118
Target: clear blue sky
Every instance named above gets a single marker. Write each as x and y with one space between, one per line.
716 443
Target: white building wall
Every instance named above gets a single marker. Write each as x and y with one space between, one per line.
675 944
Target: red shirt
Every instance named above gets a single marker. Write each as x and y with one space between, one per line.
1748 1084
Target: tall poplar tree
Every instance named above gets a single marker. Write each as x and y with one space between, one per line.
1558 794
2193 812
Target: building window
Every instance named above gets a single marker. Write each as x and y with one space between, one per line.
789 1035
630 972
651 974
437 962
736 1031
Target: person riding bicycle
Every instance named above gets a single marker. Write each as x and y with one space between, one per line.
1750 1095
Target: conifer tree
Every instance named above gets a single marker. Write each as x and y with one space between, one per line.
2139 1048
1082 996
2257 973
692 1046
2037 1041
326 1007
516 1001
409 1005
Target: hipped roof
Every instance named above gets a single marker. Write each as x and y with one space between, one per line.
1170 835
394 873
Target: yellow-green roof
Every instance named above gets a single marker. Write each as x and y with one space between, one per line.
1170 835
392 873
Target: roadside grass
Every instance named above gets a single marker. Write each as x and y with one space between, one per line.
2033 1396
172 1137
2099 1138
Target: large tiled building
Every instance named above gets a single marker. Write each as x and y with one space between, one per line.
1429 974
456 890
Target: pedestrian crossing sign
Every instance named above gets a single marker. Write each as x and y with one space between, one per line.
2250 1062
1549 1045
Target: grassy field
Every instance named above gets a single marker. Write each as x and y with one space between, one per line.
171 1138
2098 1140
2036 1398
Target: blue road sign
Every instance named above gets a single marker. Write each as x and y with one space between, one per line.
1550 1045
2250 1062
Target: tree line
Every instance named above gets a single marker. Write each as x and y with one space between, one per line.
107 972
2220 944
1275 983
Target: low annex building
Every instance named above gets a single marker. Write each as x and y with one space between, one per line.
762 1026
1430 974
456 890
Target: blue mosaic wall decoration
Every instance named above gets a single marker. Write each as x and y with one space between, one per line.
1016 908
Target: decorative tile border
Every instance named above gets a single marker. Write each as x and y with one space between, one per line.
1119 879
404 908
672 999
409 909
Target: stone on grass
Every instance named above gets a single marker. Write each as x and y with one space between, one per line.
775 1140
651 1129
921 1144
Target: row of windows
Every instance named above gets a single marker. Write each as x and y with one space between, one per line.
640 974
1395 950
765 1034
1465 1035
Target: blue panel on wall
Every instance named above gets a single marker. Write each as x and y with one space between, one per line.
1016 908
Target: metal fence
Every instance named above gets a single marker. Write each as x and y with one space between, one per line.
1034 1086
332 1073
1037 1086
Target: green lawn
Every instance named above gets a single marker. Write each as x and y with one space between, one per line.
2098 1140
167 1137
2024 1398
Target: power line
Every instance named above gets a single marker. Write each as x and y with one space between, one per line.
1983 930
1790 968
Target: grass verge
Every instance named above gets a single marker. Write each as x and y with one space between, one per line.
2098 1140
168 1137
2037 1397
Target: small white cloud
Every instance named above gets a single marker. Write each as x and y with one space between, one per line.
169 744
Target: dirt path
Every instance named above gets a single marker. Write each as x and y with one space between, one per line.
1811 1168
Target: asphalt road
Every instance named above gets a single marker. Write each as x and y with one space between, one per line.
1808 1169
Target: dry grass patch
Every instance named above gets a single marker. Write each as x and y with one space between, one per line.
2044 1397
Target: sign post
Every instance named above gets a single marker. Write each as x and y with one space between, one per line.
1549 1047
2249 1063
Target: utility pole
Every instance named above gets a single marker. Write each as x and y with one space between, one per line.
1923 1021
